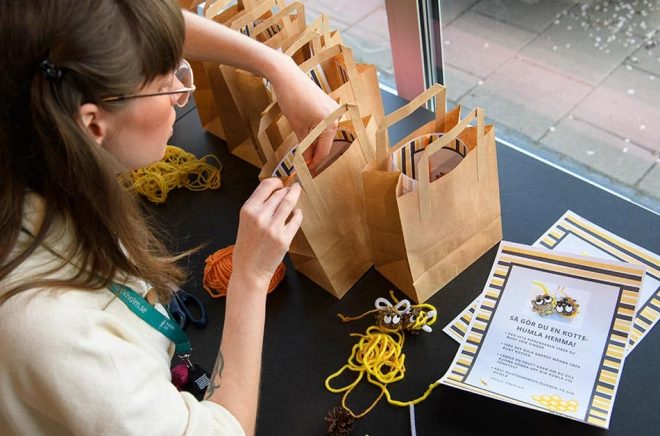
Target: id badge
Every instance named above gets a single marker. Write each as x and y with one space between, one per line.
191 378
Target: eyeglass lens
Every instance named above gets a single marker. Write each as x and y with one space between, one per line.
184 74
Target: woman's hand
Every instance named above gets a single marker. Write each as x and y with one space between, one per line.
305 105
268 223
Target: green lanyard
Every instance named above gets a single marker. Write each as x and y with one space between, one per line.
146 311
154 318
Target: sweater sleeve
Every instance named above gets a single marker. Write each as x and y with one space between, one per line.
82 369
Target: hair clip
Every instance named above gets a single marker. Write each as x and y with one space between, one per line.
50 70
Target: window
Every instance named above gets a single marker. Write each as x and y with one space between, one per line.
575 82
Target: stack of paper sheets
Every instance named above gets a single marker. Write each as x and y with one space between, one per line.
552 327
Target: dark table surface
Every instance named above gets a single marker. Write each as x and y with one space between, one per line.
305 342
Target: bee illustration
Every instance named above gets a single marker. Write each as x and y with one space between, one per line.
543 304
567 306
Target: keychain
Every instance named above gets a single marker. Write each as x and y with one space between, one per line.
190 377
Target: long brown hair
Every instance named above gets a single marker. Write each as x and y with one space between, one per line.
102 48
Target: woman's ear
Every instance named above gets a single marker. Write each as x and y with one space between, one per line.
93 120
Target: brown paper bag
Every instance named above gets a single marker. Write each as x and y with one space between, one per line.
334 71
205 102
215 106
221 11
316 37
422 239
236 134
331 247
274 30
191 5
252 93
247 95
334 67
204 95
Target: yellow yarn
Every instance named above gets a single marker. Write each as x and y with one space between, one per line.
423 318
379 355
345 318
177 169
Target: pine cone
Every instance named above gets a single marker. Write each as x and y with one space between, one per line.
340 422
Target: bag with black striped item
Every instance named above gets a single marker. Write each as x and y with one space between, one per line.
206 81
331 247
212 97
252 93
335 71
432 200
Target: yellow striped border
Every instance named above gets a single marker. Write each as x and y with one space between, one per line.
648 312
627 278
459 325
480 320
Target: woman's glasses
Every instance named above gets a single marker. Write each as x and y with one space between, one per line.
183 73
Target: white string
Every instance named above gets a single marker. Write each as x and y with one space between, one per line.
413 426
382 303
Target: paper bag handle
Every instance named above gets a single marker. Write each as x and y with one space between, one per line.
215 8
360 131
268 116
247 16
319 28
282 16
382 136
351 67
425 207
329 53
243 6
247 4
302 171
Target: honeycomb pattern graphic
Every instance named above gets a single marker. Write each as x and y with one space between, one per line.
556 403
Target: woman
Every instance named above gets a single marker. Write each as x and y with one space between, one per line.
88 89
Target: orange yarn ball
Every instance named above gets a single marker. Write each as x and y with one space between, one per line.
217 273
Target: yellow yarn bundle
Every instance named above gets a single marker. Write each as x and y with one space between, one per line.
379 355
177 169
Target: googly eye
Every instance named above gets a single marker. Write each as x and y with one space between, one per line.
569 309
396 319
547 298
539 301
412 318
560 309
387 319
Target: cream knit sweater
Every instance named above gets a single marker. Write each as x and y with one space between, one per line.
80 362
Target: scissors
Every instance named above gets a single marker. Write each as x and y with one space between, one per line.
180 309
